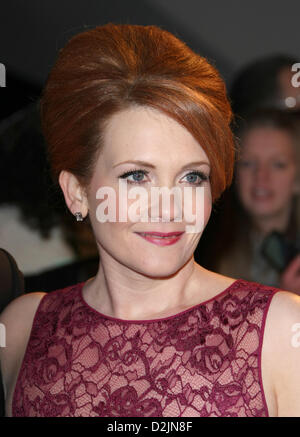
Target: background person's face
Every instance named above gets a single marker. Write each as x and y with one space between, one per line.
142 134
266 172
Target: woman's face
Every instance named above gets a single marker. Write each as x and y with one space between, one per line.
266 172
144 148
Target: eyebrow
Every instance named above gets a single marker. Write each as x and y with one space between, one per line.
275 156
147 164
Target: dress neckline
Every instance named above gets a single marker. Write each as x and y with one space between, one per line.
141 321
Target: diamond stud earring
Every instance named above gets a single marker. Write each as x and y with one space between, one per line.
78 216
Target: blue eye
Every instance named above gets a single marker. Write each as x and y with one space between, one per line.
137 176
196 177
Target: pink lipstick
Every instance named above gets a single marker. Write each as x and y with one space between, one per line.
161 238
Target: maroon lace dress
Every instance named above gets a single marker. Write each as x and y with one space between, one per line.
204 361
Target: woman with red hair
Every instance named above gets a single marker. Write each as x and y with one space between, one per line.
152 333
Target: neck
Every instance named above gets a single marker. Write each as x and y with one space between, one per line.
120 292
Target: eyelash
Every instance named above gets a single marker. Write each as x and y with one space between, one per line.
200 174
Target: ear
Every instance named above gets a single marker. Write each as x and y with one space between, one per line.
74 193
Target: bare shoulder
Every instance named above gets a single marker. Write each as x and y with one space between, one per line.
20 310
16 320
284 313
282 339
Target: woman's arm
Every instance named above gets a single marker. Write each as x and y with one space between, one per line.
15 327
283 331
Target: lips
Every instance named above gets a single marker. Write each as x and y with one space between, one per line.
161 238
161 234
261 194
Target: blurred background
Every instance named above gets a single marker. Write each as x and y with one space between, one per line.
231 33
52 250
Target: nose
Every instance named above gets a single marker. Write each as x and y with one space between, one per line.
165 204
261 173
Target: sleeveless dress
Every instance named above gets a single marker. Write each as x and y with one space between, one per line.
203 361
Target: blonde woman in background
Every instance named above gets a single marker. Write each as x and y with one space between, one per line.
263 198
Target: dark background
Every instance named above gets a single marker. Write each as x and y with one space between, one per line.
230 33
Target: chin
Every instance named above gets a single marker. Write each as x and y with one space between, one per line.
261 210
159 268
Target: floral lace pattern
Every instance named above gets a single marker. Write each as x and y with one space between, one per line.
204 361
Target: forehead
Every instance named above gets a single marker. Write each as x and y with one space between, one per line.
267 141
145 133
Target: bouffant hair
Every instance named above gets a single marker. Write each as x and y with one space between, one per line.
114 67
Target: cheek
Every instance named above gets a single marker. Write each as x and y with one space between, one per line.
207 208
201 208
132 204
109 202
286 184
243 184
244 178
111 236
284 177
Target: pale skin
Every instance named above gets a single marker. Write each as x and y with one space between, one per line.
268 163
140 280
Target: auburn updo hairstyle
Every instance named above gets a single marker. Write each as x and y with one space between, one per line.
113 67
